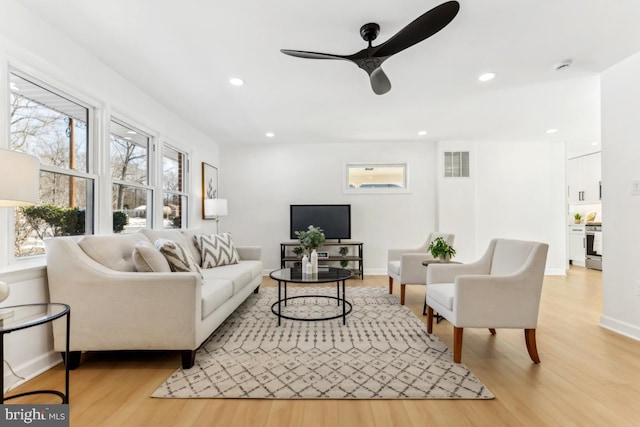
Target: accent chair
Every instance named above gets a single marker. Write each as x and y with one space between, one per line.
501 290
405 265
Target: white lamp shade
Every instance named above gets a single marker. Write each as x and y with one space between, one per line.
215 207
20 179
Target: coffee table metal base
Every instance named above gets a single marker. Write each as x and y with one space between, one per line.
346 309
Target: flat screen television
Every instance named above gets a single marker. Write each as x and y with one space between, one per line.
335 220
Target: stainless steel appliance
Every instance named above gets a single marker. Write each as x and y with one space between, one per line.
594 258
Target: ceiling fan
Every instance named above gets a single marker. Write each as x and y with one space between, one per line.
371 58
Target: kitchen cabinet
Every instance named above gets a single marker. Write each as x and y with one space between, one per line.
584 178
577 244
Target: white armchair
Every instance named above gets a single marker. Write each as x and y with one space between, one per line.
501 290
405 265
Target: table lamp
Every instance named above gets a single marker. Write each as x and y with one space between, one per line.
18 187
215 208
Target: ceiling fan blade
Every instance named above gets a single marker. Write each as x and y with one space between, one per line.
379 82
423 27
310 55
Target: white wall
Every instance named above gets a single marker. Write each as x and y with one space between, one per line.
35 48
261 181
515 191
621 166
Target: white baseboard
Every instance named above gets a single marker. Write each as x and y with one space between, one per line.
31 369
622 328
555 272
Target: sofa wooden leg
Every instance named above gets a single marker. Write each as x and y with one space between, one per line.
457 344
74 359
390 285
530 339
429 319
492 330
188 358
255 291
402 293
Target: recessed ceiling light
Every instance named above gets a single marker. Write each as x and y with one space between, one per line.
236 81
422 132
270 134
132 132
552 130
14 86
486 77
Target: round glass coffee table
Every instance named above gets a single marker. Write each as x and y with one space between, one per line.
324 275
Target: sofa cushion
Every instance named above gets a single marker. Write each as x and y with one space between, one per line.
216 250
442 293
112 250
214 293
147 259
394 267
177 255
176 236
239 274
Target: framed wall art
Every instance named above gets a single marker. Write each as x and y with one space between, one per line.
209 186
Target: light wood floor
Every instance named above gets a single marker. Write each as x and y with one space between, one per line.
588 377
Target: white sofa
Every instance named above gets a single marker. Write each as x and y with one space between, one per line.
115 307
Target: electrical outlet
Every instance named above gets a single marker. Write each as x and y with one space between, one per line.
635 188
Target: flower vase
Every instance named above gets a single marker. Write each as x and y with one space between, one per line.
314 261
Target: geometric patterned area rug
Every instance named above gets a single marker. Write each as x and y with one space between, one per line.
383 352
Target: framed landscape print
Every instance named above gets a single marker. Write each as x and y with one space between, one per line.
209 185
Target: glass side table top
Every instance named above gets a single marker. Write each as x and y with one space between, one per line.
325 274
18 317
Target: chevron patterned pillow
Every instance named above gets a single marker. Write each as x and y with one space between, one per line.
177 256
216 250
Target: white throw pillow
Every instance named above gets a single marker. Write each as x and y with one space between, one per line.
177 256
216 250
147 259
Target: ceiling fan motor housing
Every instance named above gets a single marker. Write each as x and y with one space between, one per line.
369 32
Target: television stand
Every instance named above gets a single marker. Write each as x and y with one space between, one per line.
354 257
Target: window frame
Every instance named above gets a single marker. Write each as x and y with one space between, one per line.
381 190
92 158
184 194
150 186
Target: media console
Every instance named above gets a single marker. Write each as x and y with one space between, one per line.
354 257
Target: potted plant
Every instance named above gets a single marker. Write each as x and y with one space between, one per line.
577 218
310 239
344 250
439 248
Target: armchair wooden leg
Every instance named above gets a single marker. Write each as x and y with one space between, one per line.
530 339
492 330
429 319
390 285
457 344
402 293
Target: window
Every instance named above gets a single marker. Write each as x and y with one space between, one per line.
378 178
131 192
174 192
456 164
54 128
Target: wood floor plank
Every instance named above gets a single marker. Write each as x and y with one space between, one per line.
588 376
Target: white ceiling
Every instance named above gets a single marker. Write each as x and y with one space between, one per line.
183 53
